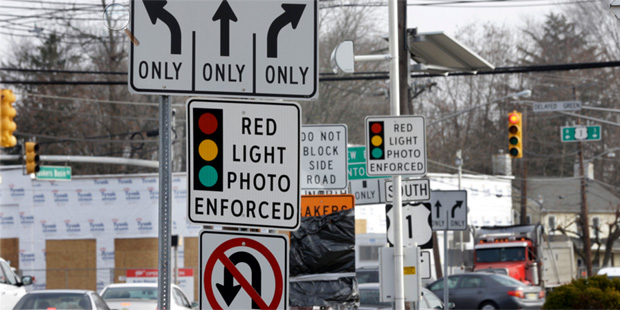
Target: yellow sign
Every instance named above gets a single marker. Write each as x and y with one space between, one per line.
409 270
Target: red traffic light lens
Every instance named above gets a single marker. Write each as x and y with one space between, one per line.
513 118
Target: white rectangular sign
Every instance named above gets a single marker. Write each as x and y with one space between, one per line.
236 48
449 210
395 145
557 106
324 157
367 192
411 190
411 274
243 270
243 163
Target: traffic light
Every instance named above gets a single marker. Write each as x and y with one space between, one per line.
32 157
376 135
7 125
208 149
515 134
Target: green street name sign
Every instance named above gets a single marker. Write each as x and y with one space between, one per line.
581 133
56 173
357 163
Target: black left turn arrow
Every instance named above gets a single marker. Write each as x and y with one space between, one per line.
155 9
225 14
228 290
292 15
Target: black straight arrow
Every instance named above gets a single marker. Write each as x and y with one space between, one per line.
437 207
292 15
224 14
458 204
228 290
155 9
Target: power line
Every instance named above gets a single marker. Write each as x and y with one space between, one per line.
330 77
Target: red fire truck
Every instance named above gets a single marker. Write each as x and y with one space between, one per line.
525 253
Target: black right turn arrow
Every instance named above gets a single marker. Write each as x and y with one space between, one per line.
458 204
155 9
292 15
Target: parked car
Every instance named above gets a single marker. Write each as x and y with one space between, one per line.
489 291
12 288
611 272
370 298
142 296
61 299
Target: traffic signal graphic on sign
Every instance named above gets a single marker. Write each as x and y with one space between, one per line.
208 150
376 134
515 135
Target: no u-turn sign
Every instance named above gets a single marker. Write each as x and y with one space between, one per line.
243 270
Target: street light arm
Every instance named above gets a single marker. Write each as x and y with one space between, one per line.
523 93
591 118
601 154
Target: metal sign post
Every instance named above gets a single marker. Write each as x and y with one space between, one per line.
165 180
399 298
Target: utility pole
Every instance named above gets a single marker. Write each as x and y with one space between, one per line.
403 59
524 177
585 222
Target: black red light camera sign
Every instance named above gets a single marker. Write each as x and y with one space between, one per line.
395 145
244 163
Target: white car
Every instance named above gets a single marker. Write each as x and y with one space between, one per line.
12 288
141 296
611 272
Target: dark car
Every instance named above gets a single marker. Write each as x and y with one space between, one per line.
489 291
61 299
370 299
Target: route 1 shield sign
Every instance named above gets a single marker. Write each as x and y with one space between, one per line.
243 270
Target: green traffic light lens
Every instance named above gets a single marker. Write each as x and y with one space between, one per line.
514 141
514 151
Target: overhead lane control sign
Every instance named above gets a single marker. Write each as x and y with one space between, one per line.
244 162
395 145
225 48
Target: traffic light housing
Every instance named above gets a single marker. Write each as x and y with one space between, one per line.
7 125
376 135
32 157
515 134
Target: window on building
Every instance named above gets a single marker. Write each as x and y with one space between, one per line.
596 222
551 222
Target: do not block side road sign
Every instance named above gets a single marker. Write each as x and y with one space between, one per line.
242 270
244 163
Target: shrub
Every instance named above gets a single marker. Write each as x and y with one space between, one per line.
596 292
